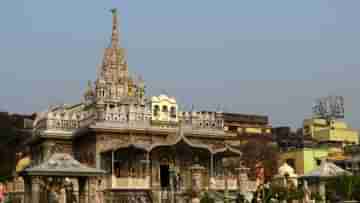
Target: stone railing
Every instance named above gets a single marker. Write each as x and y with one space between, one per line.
87 121
219 183
130 183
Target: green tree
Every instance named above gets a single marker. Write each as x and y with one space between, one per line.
264 151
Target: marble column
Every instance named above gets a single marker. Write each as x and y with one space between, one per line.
211 165
98 160
47 148
243 179
196 177
148 169
35 189
112 162
212 182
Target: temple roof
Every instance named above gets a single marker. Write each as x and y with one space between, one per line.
326 170
179 139
61 164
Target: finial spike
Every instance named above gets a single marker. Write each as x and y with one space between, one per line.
115 32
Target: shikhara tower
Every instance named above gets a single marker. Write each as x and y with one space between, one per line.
115 90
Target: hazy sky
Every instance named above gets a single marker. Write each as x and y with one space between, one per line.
267 57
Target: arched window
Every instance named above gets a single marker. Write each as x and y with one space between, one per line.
165 109
156 110
173 112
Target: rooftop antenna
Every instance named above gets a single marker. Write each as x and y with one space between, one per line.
192 108
218 108
331 107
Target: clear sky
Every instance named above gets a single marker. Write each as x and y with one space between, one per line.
267 57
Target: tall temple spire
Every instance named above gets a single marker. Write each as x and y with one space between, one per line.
115 31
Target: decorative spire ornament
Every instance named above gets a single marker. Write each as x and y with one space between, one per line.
115 31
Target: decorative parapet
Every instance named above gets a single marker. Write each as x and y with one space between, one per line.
220 183
65 118
203 120
130 183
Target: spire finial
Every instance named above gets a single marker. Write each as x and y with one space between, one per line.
89 84
115 32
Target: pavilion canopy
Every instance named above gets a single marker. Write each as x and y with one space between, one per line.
326 170
62 164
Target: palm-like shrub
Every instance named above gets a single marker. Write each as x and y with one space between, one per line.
347 187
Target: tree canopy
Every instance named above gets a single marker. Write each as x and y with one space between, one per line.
260 151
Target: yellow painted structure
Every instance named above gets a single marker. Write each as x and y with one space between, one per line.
22 164
333 130
305 159
164 109
253 130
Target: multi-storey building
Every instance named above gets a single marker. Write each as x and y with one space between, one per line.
317 140
330 131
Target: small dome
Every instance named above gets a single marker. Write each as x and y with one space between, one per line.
285 169
89 91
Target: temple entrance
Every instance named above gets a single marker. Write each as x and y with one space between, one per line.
164 176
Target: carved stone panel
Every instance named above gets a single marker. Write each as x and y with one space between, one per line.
106 142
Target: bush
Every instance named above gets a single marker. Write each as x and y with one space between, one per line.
347 187
206 199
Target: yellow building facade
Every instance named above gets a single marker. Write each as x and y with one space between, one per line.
304 160
164 109
330 131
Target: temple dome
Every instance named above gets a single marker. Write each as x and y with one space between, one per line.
89 93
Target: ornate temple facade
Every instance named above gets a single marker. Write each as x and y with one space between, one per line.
143 143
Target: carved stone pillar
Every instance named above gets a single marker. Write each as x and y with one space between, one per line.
211 178
243 179
35 189
98 160
82 189
46 150
148 168
196 178
211 165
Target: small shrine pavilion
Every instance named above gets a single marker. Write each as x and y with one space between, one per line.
54 175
